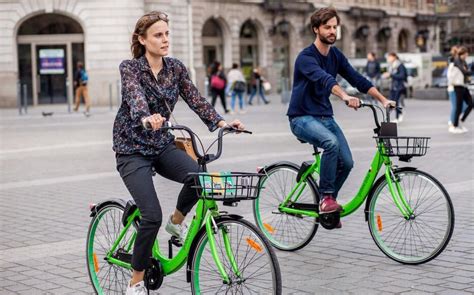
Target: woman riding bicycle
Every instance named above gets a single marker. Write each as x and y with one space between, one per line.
310 110
151 84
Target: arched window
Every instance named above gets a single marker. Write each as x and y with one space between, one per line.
403 40
212 42
248 47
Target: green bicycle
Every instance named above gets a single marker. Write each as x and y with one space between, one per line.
409 213
223 252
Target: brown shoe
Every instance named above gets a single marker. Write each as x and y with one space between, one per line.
329 205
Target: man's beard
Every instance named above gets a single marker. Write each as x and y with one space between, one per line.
326 41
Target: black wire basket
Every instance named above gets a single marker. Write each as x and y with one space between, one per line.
402 146
227 186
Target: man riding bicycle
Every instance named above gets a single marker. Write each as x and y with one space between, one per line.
310 111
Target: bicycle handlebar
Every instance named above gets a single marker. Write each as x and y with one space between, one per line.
206 158
372 107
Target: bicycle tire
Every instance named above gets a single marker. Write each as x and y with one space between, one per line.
103 231
279 228
415 240
255 276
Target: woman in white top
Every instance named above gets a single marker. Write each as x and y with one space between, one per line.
237 86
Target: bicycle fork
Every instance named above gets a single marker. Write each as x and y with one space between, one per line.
398 195
212 230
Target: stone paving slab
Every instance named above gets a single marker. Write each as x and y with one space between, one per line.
52 168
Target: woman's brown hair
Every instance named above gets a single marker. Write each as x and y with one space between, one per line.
462 50
141 27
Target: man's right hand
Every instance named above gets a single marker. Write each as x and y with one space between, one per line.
352 101
155 120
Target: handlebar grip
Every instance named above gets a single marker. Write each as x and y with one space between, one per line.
361 103
233 129
166 125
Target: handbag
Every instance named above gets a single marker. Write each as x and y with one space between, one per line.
217 82
183 143
266 86
239 86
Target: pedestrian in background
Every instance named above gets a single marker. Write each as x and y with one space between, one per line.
372 69
398 73
80 82
451 93
236 80
218 84
460 76
256 81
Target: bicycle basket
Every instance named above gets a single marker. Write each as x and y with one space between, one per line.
402 146
227 186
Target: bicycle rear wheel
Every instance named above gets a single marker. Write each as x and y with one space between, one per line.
288 232
257 272
422 236
104 229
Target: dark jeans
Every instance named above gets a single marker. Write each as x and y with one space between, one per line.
395 95
261 92
219 92
462 95
136 172
336 162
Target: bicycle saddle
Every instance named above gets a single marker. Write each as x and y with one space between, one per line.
314 147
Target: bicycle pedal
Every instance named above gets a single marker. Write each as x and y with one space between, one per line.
175 241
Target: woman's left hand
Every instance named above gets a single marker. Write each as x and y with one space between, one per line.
236 124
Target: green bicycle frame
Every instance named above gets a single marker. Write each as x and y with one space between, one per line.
206 211
395 189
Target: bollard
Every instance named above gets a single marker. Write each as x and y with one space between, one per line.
119 94
110 95
68 96
25 99
18 98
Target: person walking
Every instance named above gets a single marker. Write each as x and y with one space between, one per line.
372 69
218 84
80 82
238 86
310 111
398 74
256 82
459 77
451 92
151 85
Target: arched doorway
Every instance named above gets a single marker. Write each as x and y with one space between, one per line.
49 46
212 43
382 37
403 40
361 35
249 57
281 53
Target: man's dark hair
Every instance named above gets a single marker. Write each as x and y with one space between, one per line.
235 65
322 16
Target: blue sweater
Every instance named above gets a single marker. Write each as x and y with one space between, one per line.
315 75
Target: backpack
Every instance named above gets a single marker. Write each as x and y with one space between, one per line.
239 86
217 82
84 77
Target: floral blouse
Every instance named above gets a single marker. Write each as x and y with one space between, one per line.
143 95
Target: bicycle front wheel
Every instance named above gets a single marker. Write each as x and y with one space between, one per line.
247 257
423 235
288 232
104 229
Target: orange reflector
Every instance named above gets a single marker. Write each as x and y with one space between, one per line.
96 263
268 227
254 245
379 222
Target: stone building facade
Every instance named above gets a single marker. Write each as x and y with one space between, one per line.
264 33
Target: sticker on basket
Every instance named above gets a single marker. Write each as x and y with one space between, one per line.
379 222
217 183
254 245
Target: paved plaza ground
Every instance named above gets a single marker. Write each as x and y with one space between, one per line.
52 167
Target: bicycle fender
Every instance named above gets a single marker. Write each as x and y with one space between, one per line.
96 208
271 166
201 232
310 178
376 184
